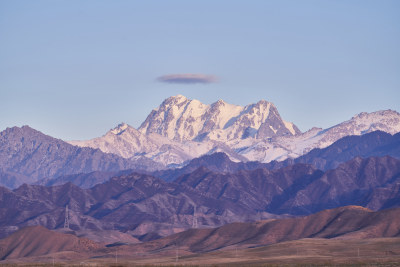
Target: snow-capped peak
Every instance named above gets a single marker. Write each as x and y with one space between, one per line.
181 129
179 118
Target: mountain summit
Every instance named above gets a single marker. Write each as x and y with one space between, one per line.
179 118
181 129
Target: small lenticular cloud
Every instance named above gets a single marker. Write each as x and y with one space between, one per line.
187 78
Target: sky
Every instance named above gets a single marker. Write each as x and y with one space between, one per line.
74 69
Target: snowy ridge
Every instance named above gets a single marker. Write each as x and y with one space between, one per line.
281 148
181 129
126 141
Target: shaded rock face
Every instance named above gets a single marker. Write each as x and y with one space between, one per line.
352 183
140 204
301 189
83 180
274 126
217 162
31 155
254 189
374 144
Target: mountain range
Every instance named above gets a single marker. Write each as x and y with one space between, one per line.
242 175
375 144
181 129
140 204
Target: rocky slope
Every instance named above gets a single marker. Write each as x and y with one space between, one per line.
217 162
301 189
83 180
374 144
351 183
350 222
27 155
329 233
36 241
137 203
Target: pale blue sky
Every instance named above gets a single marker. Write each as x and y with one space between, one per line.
76 68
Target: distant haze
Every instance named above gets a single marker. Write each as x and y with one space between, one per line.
75 69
